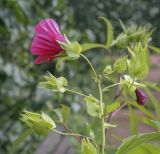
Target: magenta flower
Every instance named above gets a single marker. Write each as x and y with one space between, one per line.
141 97
46 42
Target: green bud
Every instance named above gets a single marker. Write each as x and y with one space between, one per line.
42 124
108 70
138 65
120 41
131 36
121 64
73 50
55 84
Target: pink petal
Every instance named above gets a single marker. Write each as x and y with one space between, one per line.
49 29
41 51
40 46
45 43
40 59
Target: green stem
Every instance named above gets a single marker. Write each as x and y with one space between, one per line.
102 147
72 134
75 92
106 88
90 65
102 119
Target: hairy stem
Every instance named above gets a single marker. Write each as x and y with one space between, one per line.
102 147
116 95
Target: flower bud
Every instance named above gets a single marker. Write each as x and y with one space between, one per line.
42 124
141 97
55 84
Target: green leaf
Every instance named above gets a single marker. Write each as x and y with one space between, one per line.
90 131
120 64
109 32
143 109
73 50
48 119
20 139
65 113
154 101
59 114
136 140
133 120
146 149
93 107
112 107
152 123
155 49
88 46
122 25
87 147
154 86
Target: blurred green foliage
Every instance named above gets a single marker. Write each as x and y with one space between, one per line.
79 21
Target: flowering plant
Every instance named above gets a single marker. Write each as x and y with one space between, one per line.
131 69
